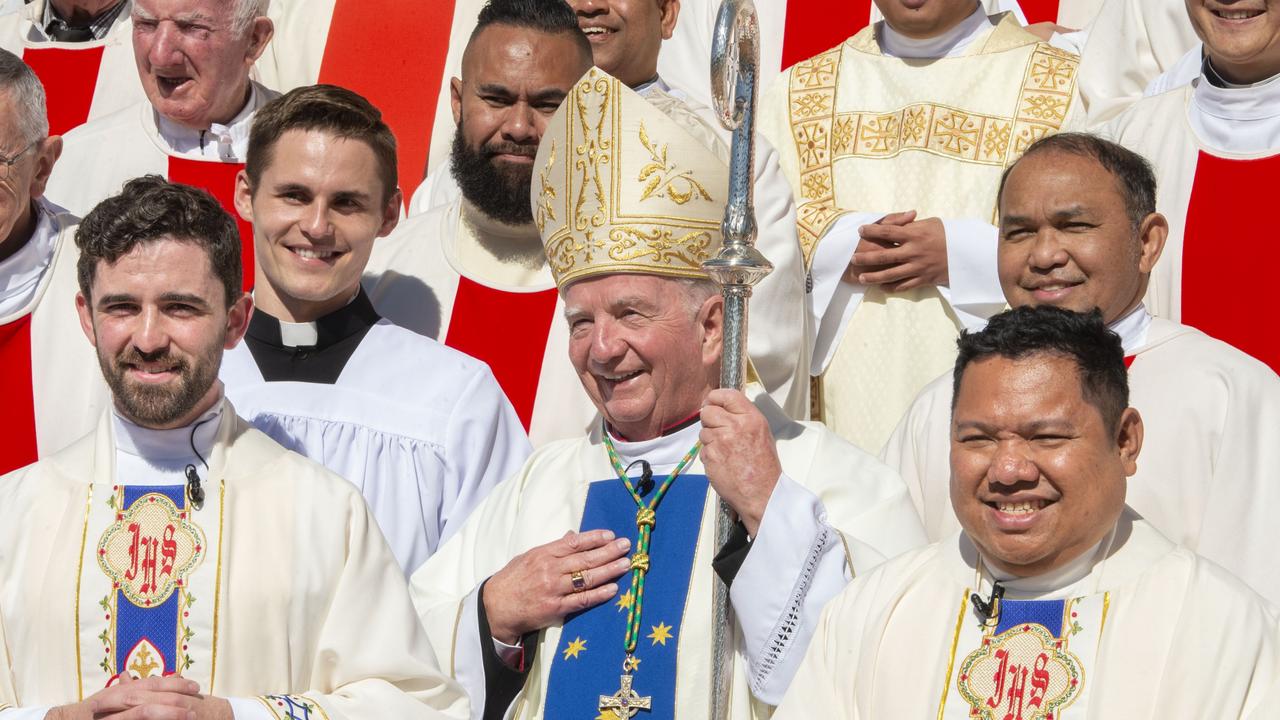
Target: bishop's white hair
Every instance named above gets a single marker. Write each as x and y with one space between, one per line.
26 103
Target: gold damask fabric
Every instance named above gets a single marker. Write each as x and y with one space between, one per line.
833 118
620 187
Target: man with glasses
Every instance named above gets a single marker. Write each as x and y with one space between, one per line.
45 363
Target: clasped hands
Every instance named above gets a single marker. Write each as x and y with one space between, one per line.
900 253
154 698
536 589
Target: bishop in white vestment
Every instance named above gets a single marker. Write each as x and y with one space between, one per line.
885 123
831 513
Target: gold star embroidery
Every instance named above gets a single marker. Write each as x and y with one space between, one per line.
624 602
578 645
661 634
607 715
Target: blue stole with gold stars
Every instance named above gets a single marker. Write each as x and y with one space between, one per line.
588 660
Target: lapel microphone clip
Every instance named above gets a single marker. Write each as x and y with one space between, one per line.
988 610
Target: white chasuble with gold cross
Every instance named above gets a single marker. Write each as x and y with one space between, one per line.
1137 627
858 131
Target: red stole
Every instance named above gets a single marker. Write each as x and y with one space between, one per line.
815 26
18 419
393 53
70 77
1040 11
508 331
219 178
1227 235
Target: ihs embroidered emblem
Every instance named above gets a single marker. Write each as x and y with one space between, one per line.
1023 673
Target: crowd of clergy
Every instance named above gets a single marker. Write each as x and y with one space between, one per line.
358 360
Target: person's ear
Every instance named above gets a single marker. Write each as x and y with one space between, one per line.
47 153
238 320
455 99
244 197
669 17
391 213
260 33
711 320
1129 440
84 309
1152 234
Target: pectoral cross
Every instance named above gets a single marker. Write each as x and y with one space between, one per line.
626 702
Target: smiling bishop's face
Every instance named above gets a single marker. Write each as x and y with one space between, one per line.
1241 37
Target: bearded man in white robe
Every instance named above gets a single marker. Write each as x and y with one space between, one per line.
1215 145
1079 231
529 601
1056 599
177 563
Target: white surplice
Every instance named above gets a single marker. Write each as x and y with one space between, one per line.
1209 461
38 322
422 430
289 596
1131 42
1149 630
835 513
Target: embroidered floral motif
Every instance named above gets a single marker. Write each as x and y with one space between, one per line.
662 178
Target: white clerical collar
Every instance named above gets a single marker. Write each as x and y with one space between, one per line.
21 272
1237 119
305 334
663 452
951 43
1132 328
157 447
1055 583
227 143
657 83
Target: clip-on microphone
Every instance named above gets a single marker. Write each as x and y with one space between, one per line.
646 477
988 610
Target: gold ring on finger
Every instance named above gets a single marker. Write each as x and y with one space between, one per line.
579 582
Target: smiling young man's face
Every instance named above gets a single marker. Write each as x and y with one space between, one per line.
319 204
1241 37
1037 476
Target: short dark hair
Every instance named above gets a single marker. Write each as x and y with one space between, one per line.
148 209
328 108
1082 338
553 17
1132 172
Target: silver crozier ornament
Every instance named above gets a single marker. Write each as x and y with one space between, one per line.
735 62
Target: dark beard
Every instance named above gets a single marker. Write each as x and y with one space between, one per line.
159 406
498 192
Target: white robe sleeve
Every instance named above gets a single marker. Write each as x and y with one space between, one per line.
486 445
974 292
813 692
374 669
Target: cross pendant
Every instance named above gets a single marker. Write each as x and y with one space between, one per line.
626 702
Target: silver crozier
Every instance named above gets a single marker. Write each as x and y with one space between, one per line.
735 62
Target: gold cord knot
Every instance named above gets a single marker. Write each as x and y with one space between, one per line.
646 516
640 561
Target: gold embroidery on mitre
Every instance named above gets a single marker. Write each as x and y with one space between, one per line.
1024 672
621 187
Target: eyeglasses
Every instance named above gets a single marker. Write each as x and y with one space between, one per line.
6 163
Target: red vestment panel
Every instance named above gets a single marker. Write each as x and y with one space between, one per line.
1040 11
69 78
219 178
1229 249
17 403
393 53
815 26
509 332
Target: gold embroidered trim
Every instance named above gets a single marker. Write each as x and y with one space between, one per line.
951 659
812 98
217 582
822 135
84 539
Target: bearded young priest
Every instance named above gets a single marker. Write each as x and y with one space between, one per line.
585 581
177 563
1055 600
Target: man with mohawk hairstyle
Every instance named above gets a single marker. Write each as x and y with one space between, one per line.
582 586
